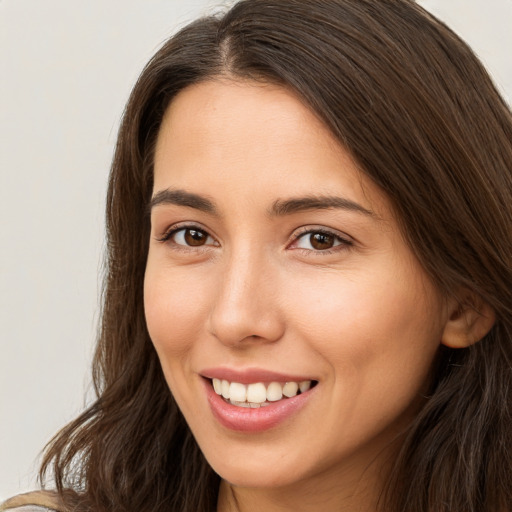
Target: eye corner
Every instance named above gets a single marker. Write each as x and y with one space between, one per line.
331 240
187 237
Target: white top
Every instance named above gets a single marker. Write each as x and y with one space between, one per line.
29 508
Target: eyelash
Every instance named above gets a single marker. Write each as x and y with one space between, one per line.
342 242
173 230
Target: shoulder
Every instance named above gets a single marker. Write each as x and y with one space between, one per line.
29 508
37 501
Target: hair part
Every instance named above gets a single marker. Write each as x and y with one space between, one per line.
416 109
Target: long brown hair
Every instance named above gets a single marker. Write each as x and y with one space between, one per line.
420 115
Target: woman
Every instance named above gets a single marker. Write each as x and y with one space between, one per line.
308 301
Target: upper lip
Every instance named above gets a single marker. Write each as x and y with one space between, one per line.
251 375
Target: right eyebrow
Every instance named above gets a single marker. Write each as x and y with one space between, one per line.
302 204
182 198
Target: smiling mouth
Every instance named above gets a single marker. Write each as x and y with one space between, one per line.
259 394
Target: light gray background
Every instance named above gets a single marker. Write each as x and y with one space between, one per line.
66 69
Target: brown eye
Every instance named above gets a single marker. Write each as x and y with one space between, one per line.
195 237
190 237
321 241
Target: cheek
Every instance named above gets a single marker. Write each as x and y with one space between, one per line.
374 324
174 305
379 338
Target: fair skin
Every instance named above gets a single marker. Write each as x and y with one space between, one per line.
329 291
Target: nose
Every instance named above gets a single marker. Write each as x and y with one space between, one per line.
246 306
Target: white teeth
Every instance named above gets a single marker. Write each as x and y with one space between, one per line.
239 404
256 393
237 392
304 385
252 405
217 386
274 392
290 389
225 389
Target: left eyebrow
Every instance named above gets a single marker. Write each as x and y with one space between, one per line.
182 198
283 207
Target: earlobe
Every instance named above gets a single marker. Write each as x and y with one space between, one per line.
468 322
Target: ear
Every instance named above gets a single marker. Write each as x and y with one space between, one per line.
470 319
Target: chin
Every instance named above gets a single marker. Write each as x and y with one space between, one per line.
256 477
259 470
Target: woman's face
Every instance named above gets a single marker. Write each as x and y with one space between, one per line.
274 262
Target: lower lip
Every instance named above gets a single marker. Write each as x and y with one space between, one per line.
244 419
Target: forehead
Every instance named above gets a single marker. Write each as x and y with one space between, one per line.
233 114
253 137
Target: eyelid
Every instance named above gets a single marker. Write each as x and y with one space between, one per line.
345 240
175 228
